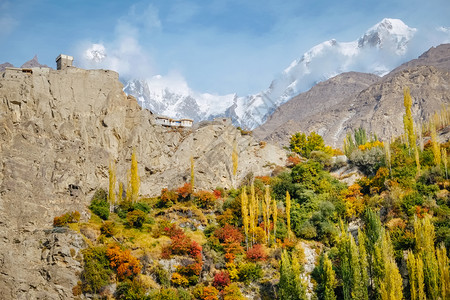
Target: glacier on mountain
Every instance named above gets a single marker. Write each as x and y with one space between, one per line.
378 51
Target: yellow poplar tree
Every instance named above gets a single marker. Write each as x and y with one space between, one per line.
192 172
391 285
435 145
252 213
444 272
445 161
120 199
266 212
129 191
408 123
134 177
244 211
112 185
275 219
288 213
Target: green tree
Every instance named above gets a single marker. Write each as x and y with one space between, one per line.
290 287
391 284
425 236
354 286
326 279
304 145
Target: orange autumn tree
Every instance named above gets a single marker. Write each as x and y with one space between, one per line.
126 265
353 199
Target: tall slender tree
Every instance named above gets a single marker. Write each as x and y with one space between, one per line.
444 272
266 212
135 180
252 209
275 220
435 145
391 285
290 286
327 279
288 213
425 235
244 212
112 185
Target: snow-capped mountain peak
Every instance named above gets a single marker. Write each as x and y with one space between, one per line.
380 49
391 33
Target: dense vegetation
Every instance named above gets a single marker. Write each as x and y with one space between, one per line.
193 244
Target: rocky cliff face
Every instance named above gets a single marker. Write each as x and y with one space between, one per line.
58 132
350 100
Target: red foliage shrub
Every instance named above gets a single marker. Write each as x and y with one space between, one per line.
221 280
229 234
205 199
218 194
126 265
196 251
185 191
293 160
256 253
181 244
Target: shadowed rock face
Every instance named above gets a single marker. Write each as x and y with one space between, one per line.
350 100
58 132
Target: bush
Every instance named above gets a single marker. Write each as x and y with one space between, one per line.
249 272
184 192
108 228
232 292
205 292
256 253
161 275
126 265
97 271
70 217
167 198
205 199
142 206
368 161
127 290
221 280
136 218
179 280
99 204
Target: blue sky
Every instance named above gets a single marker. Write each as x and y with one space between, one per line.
217 46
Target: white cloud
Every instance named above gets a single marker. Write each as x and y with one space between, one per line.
125 53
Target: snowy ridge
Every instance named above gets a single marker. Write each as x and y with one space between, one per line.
378 51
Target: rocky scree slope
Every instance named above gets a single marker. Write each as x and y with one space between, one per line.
351 100
58 132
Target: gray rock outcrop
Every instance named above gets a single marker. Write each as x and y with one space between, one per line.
58 132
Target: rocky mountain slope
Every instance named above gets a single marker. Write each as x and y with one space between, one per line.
379 50
32 63
348 101
58 132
